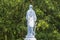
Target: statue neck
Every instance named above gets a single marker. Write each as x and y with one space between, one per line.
30 8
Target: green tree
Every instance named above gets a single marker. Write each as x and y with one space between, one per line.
13 22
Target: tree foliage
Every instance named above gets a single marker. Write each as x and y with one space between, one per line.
13 19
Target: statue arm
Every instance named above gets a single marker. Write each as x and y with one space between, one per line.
27 16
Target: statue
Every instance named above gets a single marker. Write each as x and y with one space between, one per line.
31 19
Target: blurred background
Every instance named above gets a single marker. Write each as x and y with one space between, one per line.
13 19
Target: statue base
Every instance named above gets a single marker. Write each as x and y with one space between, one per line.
30 39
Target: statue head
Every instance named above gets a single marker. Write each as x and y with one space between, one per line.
30 6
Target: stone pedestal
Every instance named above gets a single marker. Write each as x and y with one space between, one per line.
30 39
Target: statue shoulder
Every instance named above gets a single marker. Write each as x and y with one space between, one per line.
28 11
